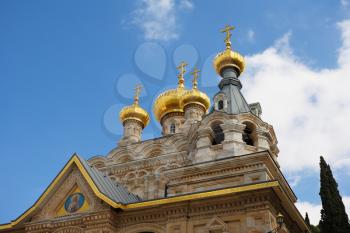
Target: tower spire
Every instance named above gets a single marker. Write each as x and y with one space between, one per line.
180 76
195 74
229 65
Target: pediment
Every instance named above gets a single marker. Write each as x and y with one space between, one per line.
215 224
72 196
78 188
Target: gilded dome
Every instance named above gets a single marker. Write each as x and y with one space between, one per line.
195 96
228 58
168 102
134 111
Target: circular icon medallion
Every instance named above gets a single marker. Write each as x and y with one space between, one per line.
74 202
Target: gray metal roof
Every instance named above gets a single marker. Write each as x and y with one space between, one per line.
230 86
111 189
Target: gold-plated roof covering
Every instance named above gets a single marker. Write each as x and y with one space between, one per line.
134 111
195 96
228 58
170 101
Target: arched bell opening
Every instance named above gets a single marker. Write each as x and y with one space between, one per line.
248 135
219 135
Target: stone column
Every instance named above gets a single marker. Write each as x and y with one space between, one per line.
233 136
262 142
204 142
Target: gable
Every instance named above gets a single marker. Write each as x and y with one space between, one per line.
72 195
88 178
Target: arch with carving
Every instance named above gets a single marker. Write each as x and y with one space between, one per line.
152 150
221 116
123 155
69 230
144 227
98 161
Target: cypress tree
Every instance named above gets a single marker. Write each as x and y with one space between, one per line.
314 229
307 220
333 216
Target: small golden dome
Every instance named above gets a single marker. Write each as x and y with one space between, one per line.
228 58
134 111
170 101
195 96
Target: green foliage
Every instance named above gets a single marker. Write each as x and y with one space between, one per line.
333 216
314 229
307 220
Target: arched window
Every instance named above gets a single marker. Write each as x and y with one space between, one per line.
219 135
220 105
247 135
172 128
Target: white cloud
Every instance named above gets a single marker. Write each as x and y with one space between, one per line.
158 19
251 35
344 3
309 109
186 4
314 210
294 180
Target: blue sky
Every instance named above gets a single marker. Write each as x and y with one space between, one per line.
67 67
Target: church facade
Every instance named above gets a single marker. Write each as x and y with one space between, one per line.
214 170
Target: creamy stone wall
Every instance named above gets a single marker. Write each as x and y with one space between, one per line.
144 167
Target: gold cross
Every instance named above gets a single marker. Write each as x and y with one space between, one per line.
228 30
181 67
180 76
195 74
138 89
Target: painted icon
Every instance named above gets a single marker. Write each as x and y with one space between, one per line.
74 202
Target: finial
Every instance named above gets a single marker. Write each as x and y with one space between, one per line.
137 89
195 74
228 30
180 76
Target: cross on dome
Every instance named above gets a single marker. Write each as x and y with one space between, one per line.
195 74
137 89
180 76
228 35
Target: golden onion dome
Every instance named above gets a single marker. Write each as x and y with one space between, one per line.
195 96
228 58
170 101
134 111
